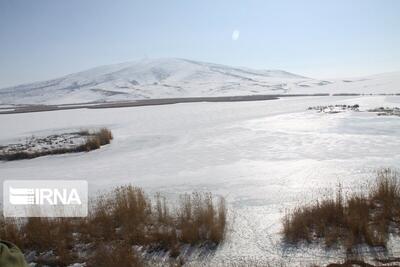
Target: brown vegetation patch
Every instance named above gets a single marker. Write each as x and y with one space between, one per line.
117 221
357 219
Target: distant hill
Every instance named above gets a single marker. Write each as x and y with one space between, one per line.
173 77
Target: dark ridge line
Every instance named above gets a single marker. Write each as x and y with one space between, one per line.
149 102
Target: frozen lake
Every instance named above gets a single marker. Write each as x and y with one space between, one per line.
264 157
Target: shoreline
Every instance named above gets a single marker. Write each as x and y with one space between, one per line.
145 102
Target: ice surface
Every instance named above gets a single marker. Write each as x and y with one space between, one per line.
265 157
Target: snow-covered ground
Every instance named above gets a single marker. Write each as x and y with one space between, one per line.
173 77
35 144
263 156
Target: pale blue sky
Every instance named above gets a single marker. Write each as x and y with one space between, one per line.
44 39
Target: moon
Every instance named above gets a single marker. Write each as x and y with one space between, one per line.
235 35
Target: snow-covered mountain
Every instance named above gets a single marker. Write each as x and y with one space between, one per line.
172 77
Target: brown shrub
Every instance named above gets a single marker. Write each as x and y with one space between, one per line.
104 136
91 143
96 139
121 218
9 230
41 234
356 220
199 220
131 210
116 254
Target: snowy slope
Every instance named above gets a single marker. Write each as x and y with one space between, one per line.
385 83
171 77
157 78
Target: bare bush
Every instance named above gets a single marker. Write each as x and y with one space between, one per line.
116 254
200 219
118 220
104 136
356 220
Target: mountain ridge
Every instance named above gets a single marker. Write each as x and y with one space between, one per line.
175 77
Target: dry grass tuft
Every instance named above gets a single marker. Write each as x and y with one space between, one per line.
117 254
358 219
117 221
104 136
94 140
200 220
